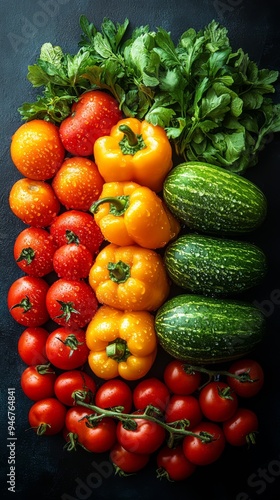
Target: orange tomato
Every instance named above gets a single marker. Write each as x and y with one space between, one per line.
34 202
36 149
78 183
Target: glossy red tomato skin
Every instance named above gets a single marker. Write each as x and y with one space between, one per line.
26 301
114 393
179 381
126 461
72 261
71 381
37 386
173 464
214 405
32 346
204 453
183 407
151 391
240 426
49 413
93 116
98 439
73 296
146 438
256 373
34 249
63 356
78 227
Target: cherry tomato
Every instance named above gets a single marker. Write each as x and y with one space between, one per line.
66 348
72 261
218 401
178 380
74 381
34 202
37 150
201 452
78 183
34 249
47 416
37 382
71 303
98 438
241 428
114 393
183 408
173 464
92 116
146 438
126 462
74 226
32 345
151 391
27 301
246 368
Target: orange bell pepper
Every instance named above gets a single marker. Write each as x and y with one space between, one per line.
129 214
121 343
134 151
129 278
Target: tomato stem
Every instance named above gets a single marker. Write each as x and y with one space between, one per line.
242 377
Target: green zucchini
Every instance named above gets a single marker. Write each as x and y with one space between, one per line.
214 266
202 330
213 200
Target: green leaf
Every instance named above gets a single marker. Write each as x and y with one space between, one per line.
51 54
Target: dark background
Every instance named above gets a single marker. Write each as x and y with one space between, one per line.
43 468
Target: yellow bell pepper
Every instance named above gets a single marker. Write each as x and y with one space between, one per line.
134 151
121 343
129 214
129 278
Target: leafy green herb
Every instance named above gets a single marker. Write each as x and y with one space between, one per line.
214 103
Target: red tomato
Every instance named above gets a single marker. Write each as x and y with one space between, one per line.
246 368
37 382
47 416
32 346
146 438
218 402
34 249
151 391
78 183
241 428
201 452
173 464
114 393
27 301
71 303
72 261
74 381
34 202
66 348
183 408
178 380
98 438
126 462
92 116
74 226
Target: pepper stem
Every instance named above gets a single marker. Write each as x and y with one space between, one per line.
118 350
131 142
119 271
118 204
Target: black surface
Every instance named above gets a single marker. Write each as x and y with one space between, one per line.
43 469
